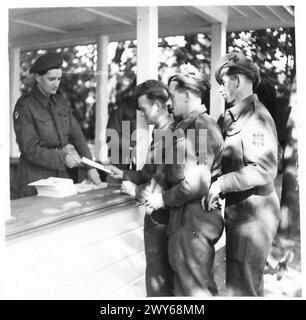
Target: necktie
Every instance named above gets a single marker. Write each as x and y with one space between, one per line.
228 119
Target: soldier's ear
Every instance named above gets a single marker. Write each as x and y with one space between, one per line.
237 79
158 104
37 77
187 95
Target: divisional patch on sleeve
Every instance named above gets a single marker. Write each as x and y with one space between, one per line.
258 138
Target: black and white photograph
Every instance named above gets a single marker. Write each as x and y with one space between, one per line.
152 150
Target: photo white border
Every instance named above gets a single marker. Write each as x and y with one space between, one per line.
300 26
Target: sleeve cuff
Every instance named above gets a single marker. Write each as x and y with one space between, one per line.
166 198
62 157
124 175
224 184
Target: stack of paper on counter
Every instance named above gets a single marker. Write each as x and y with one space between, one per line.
54 187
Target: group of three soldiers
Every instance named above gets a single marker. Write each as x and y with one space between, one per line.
240 165
183 219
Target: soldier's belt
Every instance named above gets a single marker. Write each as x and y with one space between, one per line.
235 197
263 190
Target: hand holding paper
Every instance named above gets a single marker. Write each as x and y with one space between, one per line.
95 165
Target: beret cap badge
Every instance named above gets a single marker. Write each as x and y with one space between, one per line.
188 70
242 63
191 77
232 57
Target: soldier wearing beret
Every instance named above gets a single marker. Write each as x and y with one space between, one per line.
49 137
197 149
152 97
249 168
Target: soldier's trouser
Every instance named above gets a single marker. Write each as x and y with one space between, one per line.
191 256
247 246
159 275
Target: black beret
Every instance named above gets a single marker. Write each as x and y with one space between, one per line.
242 63
152 88
47 62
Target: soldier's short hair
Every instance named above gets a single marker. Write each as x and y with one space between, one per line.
189 78
153 89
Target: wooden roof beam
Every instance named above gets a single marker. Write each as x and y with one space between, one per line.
108 16
239 11
289 10
115 32
211 14
39 26
258 12
276 14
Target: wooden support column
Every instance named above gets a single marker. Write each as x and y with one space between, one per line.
5 213
147 68
218 49
8 145
102 98
14 65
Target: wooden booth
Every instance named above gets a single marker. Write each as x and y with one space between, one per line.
90 245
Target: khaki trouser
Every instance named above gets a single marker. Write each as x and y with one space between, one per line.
192 254
159 275
248 241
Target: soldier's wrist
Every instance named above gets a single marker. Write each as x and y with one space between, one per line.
64 156
222 184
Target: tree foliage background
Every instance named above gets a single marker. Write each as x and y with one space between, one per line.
272 49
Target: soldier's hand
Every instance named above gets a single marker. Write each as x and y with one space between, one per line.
213 195
155 201
73 160
145 192
93 176
116 172
203 203
213 206
69 148
129 188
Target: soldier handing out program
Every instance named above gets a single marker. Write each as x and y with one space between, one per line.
48 136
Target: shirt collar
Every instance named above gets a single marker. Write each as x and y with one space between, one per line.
40 96
242 107
184 124
165 121
44 100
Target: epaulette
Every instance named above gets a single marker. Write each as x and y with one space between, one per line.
200 120
23 97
